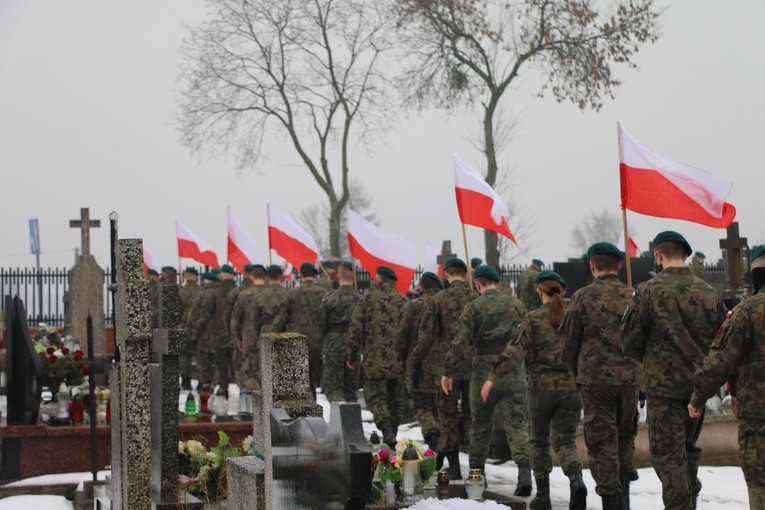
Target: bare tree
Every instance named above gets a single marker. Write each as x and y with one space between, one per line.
314 217
597 226
462 51
308 69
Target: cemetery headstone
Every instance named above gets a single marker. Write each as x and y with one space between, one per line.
86 288
734 246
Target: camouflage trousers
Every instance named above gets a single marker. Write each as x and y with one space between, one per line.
384 398
251 367
610 427
672 436
214 367
338 381
751 442
454 416
185 360
423 404
511 405
314 369
554 413
239 367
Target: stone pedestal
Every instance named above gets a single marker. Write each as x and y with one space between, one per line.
86 296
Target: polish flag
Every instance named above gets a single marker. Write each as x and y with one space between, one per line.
478 204
287 274
287 238
654 185
149 262
241 247
633 253
192 246
431 261
375 247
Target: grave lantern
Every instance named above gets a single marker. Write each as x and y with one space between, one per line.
411 483
220 406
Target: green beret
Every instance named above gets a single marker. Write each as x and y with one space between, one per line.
757 251
307 266
387 272
432 276
215 270
210 275
168 269
346 264
549 275
192 270
329 263
274 268
699 255
475 262
669 235
604 248
248 268
487 272
226 268
152 272
537 262
258 266
455 262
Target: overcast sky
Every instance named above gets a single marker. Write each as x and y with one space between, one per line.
87 89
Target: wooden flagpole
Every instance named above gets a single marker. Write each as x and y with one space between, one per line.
627 247
467 258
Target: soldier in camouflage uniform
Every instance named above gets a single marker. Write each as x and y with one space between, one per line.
187 294
334 316
231 300
265 306
697 266
153 277
438 327
328 278
243 333
606 377
738 353
298 314
486 325
223 360
668 327
421 391
554 400
372 332
526 290
208 330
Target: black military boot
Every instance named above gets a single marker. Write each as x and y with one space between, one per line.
439 461
389 437
523 487
542 500
578 498
454 465
611 501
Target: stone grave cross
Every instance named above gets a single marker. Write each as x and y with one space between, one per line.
85 224
733 245
446 253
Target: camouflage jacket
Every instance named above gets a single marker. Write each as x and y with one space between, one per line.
538 344
187 293
438 327
527 289
700 271
406 338
207 326
242 325
227 287
334 317
231 300
590 334
668 326
738 353
266 305
298 313
373 332
486 325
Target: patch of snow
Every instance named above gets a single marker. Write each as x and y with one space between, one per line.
58 479
455 504
36 503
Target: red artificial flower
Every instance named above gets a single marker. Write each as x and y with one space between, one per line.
50 350
383 454
78 355
429 452
85 371
64 351
52 358
80 366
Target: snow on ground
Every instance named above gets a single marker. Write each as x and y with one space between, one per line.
36 503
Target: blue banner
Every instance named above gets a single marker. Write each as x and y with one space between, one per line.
34 236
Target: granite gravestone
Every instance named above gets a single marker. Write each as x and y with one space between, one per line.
86 289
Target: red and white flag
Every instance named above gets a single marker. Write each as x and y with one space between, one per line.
149 262
241 247
192 246
287 274
633 252
478 204
287 238
431 261
654 185
375 247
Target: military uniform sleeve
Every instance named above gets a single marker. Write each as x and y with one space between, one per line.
403 330
570 332
321 316
205 311
356 330
426 336
461 344
257 317
635 326
283 315
237 319
725 356
513 355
